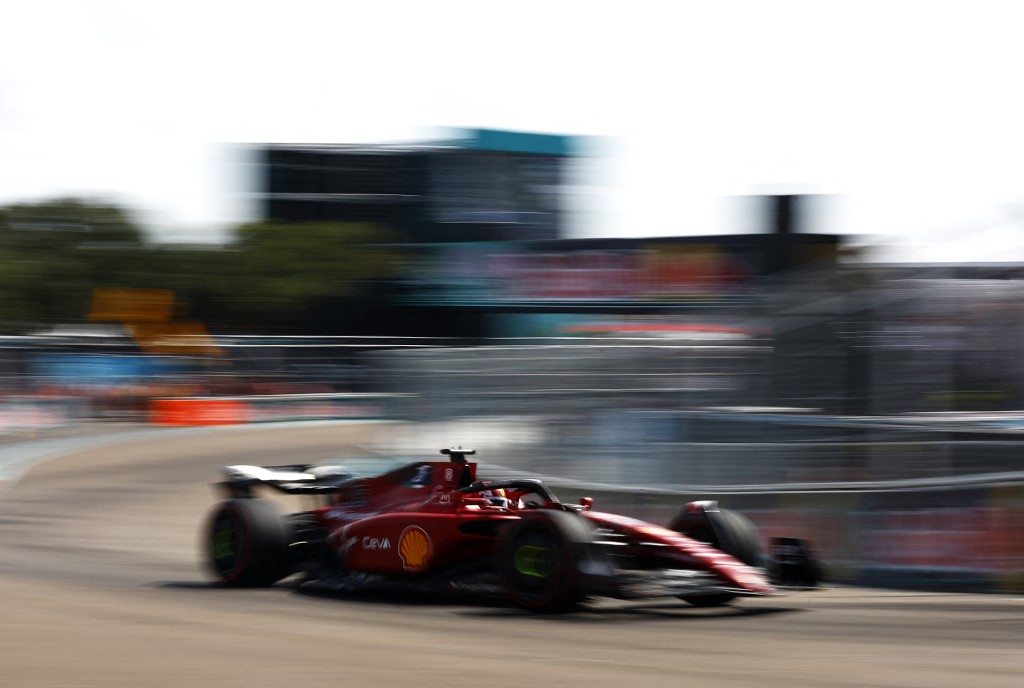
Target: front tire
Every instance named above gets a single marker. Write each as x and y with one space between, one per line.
247 543
726 530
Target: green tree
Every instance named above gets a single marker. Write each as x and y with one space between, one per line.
315 277
289 276
53 253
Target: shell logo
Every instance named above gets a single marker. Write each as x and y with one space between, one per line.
415 548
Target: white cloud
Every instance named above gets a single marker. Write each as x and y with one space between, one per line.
908 108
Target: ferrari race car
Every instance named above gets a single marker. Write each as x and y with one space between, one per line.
433 526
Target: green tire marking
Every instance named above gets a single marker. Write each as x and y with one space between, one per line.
221 544
530 560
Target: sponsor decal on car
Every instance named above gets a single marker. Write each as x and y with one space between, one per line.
375 543
415 548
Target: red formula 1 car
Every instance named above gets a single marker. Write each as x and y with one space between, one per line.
432 526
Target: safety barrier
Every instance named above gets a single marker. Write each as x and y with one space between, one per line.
197 411
956 538
19 413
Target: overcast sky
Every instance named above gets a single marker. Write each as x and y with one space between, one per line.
909 115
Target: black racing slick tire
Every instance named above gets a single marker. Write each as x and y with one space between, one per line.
538 560
247 543
732 533
738 536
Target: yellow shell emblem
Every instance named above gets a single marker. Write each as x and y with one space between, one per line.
414 547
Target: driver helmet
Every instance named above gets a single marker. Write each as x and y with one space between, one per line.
496 497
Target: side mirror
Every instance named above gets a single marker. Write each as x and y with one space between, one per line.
586 503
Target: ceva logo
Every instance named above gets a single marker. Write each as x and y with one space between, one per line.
375 543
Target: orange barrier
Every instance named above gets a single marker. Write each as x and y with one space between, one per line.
273 407
197 411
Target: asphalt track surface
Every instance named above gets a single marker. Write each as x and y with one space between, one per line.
100 585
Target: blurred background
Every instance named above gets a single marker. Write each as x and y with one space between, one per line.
769 255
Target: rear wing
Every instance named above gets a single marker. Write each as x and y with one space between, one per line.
300 479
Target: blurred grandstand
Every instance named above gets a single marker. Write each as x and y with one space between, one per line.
913 375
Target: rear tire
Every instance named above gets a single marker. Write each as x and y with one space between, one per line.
247 543
538 559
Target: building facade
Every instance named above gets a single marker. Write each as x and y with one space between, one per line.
482 185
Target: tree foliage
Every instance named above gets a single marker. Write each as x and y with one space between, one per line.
285 273
271 277
51 254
